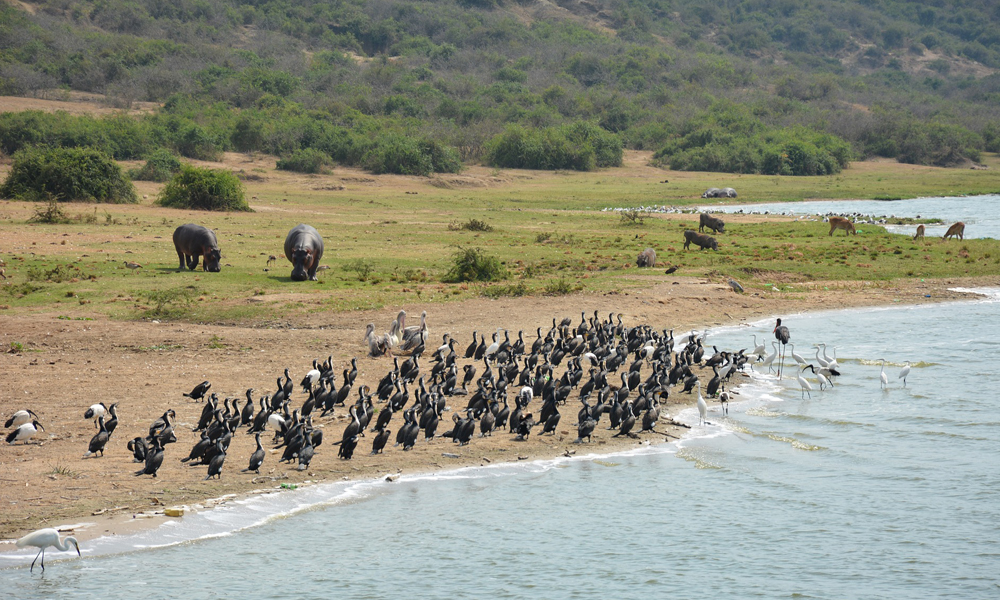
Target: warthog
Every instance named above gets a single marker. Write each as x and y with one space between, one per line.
646 258
699 239
842 223
956 229
920 233
714 223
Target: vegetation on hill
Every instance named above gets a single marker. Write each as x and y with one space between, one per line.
394 86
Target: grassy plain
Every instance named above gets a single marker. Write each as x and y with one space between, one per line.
390 240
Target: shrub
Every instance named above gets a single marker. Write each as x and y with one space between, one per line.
578 146
49 212
307 160
471 225
404 155
730 139
473 264
160 166
204 189
362 267
67 174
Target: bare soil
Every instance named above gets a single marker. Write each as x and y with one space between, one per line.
146 366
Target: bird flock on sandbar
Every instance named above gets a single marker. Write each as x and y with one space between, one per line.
618 374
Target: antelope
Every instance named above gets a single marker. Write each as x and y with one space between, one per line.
842 223
956 229
919 235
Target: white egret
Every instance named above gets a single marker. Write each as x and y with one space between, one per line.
883 378
904 372
42 539
702 407
805 385
770 357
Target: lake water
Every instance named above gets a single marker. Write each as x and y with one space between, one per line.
855 493
981 214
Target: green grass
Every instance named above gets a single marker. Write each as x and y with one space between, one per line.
549 234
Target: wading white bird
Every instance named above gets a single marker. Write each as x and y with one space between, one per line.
805 385
702 407
904 372
770 357
883 378
42 539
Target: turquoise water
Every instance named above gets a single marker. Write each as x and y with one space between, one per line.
981 214
856 493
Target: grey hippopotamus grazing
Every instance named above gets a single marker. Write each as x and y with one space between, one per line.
303 248
193 241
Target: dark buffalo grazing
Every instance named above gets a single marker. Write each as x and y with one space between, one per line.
699 239
304 249
193 241
647 258
714 223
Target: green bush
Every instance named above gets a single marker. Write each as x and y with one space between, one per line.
404 155
67 174
730 139
473 264
307 160
160 166
577 146
204 189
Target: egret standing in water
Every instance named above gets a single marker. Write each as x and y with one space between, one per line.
805 385
882 377
702 407
42 539
904 372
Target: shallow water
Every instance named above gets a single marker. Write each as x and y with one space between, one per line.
981 214
857 492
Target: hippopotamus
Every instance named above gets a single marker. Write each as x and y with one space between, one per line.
192 241
714 223
711 193
303 248
699 239
646 258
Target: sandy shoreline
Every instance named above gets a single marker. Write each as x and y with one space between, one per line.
146 366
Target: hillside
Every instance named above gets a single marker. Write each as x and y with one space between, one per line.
899 79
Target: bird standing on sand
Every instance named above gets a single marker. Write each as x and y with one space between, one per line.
95 412
20 418
24 432
42 539
132 265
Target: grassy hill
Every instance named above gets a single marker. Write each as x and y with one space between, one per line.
369 82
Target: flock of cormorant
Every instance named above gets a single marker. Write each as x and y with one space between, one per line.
620 376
